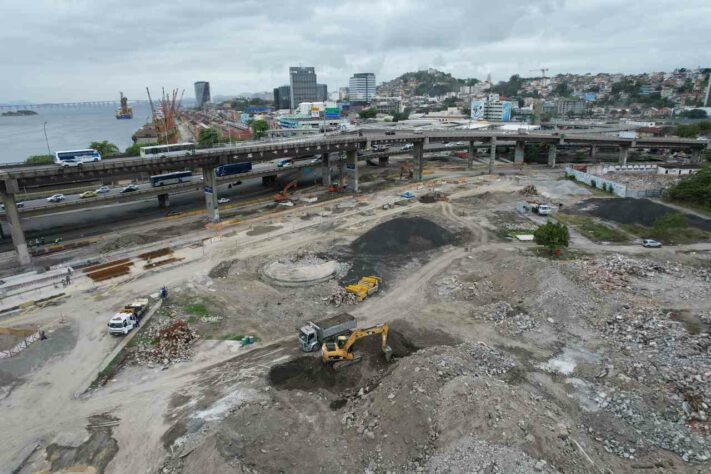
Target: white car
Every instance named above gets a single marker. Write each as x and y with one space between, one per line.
649 243
56 198
223 200
102 190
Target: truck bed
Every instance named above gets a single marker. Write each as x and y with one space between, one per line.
335 320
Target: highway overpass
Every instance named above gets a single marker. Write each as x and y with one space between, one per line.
346 146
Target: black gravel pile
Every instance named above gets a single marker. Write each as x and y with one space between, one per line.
634 211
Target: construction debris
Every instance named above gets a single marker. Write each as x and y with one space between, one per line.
529 190
165 345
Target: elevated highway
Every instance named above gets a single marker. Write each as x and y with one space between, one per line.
345 146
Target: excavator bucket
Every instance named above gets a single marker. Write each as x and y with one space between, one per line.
388 352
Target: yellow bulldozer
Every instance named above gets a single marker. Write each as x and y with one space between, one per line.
365 287
339 353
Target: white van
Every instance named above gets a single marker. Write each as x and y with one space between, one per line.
122 324
544 209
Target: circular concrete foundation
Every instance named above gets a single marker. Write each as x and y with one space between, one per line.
299 273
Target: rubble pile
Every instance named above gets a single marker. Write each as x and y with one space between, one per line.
529 190
455 288
166 344
407 401
616 271
341 297
506 318
666 429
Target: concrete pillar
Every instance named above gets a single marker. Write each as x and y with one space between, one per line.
418 156
352 157
552 150
470 155
593 153
383 160
341 174
624 153
518 152
492 155
209 183
13 222
163 201
367 145
325 170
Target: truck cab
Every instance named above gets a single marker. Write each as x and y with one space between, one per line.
121 324
308 338
544 209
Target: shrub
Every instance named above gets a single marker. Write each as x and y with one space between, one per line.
552 235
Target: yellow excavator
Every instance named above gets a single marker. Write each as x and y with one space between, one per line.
365 287
339 353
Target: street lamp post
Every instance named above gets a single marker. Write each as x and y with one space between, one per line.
44 127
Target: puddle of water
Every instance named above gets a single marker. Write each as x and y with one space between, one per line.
569 358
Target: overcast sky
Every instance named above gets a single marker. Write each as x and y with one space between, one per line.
73 50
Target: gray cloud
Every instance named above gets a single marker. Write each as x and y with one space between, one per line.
53 50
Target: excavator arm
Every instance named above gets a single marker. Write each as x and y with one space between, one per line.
335 352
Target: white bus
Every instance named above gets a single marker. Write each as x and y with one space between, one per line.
76 157
171 178
177 149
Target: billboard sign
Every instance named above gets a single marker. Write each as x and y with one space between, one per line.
477 110
506 111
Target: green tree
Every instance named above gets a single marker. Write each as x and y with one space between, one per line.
368 113
135 149
39 160
695 189
209 137
694 114
105 148
259 128
562 89
552 235
687 131
397 116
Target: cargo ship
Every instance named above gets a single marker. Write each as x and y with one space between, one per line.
124 112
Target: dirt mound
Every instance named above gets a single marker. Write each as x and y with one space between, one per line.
127 241
634 211
221 270
401 236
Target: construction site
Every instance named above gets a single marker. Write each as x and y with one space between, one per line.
412 327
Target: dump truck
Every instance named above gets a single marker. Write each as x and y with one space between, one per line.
128 317
314 334
365 287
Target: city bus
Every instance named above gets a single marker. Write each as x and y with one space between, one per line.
171 178
76 157
177 149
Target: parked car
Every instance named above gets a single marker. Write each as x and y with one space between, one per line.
285 163
103 189
408 146
56 198
389 132
649 243
130 188
223 200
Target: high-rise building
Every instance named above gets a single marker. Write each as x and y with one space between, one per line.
321 92
303 85
282 98
202 93
361 87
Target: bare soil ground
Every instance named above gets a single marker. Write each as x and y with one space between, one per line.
506 360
